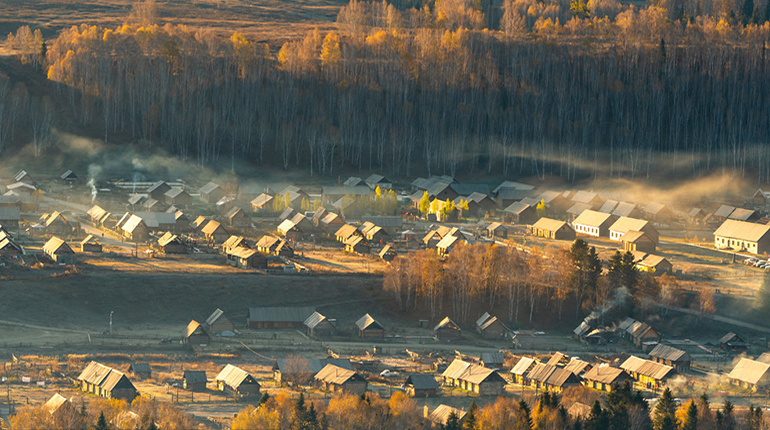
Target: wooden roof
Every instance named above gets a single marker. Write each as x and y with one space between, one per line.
56 245
234 376
749 371
367 322
742 230
648 368
336 375
666 352
549 224
592 218
605 374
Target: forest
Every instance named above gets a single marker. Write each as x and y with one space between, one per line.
515 87
565 284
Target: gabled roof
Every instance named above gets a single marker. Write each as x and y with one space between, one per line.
523 366
608 206
235 210
211 227
136 198
441 414
353 181
592 218
56 217
556 359
281 313
749 371
582 329
492 357
633 236
262 200
483 318
208 188
21 174
742 214
265 242
216 315
471 189
742 230
195 376
132 223
549 224
541 372
376 179
651 260
654 208
469 372
724 211
366 322
56 402
513 194
624 209
175 192
194 327
89 239
57 246
156 185
512 185
422 381
646 367
10 213
234 241
141 368
234 376
446 242
578 208
625 224
168 239
346 231
336 375
517 208
605 374
577 366
584 197
314 365
731 337
447 323
286 226
313 320
666 352
241 252
488 323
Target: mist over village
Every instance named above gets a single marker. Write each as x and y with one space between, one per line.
384 215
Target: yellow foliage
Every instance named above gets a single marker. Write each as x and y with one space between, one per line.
330 51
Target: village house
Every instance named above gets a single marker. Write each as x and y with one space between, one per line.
95 213
59 407
741 214
593 223
648 373
158 190
723 212
246 258
158 221
295 195
289 230
69 177
474 378
218 322
318 325
740 235
447 330
555 203
670 356
558 359
214 232
367 327
194 380
211 193
391 224
521 369
634 241
263 201
136 200
274 245
287 213
421 385
548 377
658 212
199 223
733 343
374 233
553 229
603 377
638 332
303 223
387 253
519 213
234 242
301 371
170 243
750 374
578 367
8 247
588 198
478 203
695 216
177 197
335 379
490 327
195 335
236 381
331 222
58 251
141 370
447 243
358 245
353 181
654 264
106 382
237 217
627 210
278 317
318 215
56 223
624 224
90 244
135 229
10 215
493 360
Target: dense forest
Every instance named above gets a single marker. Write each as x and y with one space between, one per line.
519 87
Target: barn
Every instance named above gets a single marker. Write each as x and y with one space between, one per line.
278 317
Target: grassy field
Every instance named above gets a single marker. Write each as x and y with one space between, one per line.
266 21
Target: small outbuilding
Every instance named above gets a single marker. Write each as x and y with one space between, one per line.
211 193
637 241
194 380
237 382
670 356
177 197
218 322
58 251
421 385
237 217
368 327
195 335
170 243
447 330
318 325
553 229
336 379
142 370
90 244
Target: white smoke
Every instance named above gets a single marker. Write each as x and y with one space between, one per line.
93 173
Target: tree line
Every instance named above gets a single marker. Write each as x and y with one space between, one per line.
456 86
486 277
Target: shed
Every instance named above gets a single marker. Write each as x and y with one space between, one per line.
369 328
492 359
741 214
318 325
69 177
218 322
194 335
278 317
421 385
247 258
447 330
732 342
520 213
670 356
237 381
178 197
331 222
490 327
655 264
336 379
387 253
58 251
658 212
56 223
297 370
90 244
234 242
553 229
158 190
358 245
497 230
194 380
214 232
353 181
211 193
447 243
58 406
135 229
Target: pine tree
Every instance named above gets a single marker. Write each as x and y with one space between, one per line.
597 419
152 426
469 421
452 422
691 418
265 397
665 412
101 423
728 419
525 414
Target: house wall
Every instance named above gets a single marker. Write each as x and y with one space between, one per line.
371 333
448 333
